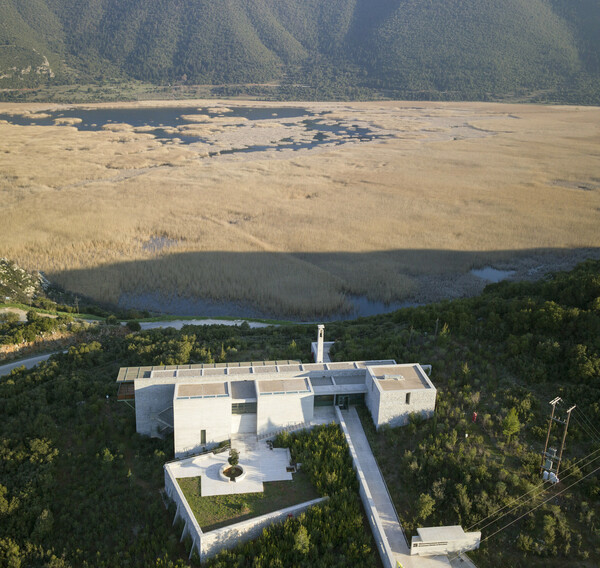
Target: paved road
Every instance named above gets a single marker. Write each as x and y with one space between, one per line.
23 314
28 363
381 498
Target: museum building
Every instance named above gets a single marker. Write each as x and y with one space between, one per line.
205 404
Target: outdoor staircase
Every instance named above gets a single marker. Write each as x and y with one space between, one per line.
288 428
165 427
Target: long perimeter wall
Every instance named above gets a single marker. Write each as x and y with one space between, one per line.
383 545
208 544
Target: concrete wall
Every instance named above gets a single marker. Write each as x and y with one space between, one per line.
394 411
196 414
381 541
372 398
152 397
389 406
191 528
279 410
243 423
471 541
155 395
228 537
210 543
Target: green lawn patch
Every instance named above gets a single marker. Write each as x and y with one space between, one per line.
222 510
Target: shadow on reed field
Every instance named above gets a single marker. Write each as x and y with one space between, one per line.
304 285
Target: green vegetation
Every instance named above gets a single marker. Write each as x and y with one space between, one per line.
78 487
536 49
331 534
503 355
14 332
222 510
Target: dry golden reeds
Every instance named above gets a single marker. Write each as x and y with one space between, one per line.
299 233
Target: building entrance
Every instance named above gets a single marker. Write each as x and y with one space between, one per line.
342 400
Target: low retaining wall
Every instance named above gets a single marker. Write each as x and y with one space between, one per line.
208 544
192 528
230 536
383 546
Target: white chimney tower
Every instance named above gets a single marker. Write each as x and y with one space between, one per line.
320 337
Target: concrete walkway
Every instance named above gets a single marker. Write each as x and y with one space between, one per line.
382 500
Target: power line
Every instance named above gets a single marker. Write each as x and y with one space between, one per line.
513 509
587 427
542 503
508 505
590 425
588 421
586 430
517 505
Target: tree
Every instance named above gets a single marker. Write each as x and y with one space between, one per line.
425 506
234 457
511 424
302 540
134 325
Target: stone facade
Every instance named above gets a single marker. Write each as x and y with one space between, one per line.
394 405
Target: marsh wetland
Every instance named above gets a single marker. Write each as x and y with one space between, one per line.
295 210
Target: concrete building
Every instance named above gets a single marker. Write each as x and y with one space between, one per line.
444 540
205 404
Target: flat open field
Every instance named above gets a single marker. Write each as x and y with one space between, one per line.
403 214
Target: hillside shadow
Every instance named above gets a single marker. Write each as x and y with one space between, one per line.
304 286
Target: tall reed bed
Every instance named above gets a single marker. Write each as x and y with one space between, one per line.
456 186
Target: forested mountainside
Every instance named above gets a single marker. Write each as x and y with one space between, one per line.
450 49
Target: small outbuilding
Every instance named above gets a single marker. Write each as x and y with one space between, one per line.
443 540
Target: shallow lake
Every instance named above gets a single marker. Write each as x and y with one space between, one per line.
180 306
168 124
491 274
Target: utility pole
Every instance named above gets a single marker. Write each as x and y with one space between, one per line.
562 444
549 456
552 403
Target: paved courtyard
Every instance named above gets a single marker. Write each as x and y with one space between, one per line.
260 462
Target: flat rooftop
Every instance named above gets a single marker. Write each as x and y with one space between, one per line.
350 379
192 370
283 386
399 377
243 390
202 390
201 370
443 534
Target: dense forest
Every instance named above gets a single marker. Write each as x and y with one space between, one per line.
78 487
412 49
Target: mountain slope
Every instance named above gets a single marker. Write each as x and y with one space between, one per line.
442 49
485 44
